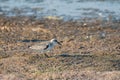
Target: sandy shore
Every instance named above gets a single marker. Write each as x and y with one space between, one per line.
89 51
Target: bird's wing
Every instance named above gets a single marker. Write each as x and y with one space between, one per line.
37 47
46 47
40 46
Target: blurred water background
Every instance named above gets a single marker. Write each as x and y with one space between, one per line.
67 9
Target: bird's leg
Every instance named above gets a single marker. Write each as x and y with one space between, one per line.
51 53
46 55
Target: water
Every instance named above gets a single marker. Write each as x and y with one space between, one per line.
67 9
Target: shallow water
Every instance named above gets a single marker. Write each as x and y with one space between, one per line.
67 9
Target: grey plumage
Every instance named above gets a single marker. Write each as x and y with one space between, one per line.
45 46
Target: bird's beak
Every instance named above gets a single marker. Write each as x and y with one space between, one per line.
59 43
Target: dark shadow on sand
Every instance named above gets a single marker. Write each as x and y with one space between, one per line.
33 40
76 55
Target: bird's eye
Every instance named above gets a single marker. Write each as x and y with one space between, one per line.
55 40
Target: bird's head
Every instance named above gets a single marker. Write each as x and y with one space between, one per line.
54 41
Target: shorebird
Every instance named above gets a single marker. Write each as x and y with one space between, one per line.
46 46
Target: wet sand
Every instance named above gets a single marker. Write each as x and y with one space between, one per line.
87 47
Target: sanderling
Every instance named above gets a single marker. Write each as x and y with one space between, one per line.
46 46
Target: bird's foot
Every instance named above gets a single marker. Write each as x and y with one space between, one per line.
46 55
